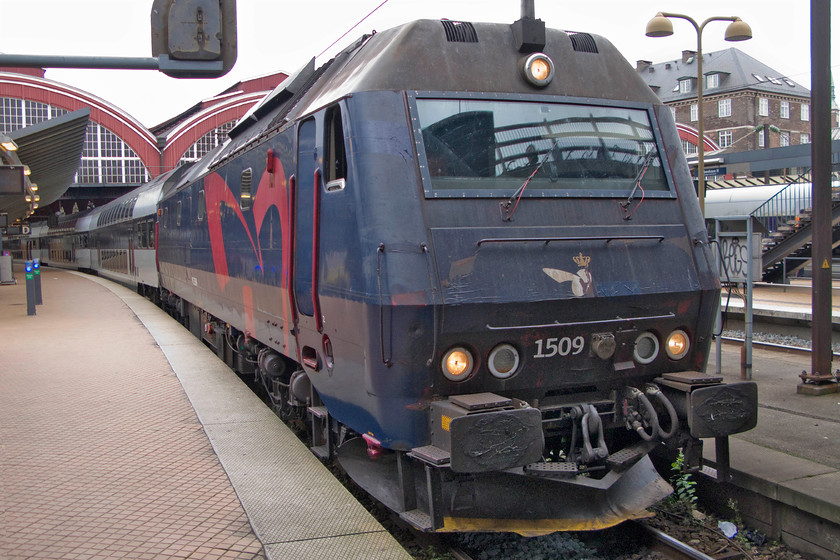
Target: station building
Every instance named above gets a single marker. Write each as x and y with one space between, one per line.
747 105
119 153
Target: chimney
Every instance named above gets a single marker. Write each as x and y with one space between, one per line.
688 54
641 65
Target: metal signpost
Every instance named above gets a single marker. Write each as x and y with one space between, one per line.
30 289
739 259
36 266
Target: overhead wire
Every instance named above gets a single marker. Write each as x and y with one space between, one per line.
352 28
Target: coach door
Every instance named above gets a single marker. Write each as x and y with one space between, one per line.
306 199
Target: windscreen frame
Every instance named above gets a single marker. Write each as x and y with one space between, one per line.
430 191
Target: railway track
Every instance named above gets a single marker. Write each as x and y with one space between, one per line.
772 346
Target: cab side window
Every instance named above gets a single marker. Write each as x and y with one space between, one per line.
335 159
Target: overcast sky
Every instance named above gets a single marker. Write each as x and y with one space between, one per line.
281 35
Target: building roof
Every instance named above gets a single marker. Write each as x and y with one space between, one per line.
52 149
737 70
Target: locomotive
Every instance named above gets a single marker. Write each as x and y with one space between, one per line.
469 259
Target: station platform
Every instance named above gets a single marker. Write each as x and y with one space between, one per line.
785 471
122 436
782 301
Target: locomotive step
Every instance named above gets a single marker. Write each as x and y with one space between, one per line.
418 519
319 412
431 454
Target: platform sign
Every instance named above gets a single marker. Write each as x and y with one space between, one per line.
735 257
739 260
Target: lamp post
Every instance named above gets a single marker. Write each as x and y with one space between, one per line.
738 30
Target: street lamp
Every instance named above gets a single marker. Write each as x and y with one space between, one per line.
738 30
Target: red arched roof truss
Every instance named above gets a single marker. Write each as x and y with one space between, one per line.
190 130
691 134
132 132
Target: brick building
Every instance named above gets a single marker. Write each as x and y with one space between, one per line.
746 104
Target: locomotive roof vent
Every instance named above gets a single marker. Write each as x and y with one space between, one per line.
459 31
583 42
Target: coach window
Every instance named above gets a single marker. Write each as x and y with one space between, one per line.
245 189
335 159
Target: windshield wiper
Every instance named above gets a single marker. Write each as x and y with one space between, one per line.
637 184
508 207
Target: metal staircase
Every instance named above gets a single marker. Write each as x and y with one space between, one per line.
787 219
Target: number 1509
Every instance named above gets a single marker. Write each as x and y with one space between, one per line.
550 347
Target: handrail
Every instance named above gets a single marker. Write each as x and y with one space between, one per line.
547 240
785 205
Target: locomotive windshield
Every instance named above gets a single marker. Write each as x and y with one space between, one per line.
490 147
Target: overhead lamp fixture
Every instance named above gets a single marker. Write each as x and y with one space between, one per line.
7 143
26 170
738 30
33 187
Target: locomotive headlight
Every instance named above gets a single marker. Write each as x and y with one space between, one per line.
503 361
457 364
646 348
677 344
538 69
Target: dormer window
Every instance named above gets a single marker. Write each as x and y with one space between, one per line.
712 81
685 85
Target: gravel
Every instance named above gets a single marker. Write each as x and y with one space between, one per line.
783 340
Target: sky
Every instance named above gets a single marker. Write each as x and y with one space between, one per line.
282 35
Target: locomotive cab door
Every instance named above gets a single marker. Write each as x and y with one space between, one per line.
305 201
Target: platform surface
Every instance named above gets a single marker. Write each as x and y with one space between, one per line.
122 436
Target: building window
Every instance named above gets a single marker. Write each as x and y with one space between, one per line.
11 114
725 138
688 147
694 112
805 112
784 139
725 108
19 113
685 85
674 113
763 107
106 158
784 109
207 142
805 138
35 112
761 138
713 81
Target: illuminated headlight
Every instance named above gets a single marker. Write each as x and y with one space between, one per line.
538 69
503 361
457 364
646 348
677 344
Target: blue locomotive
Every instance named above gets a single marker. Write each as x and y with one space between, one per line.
470 260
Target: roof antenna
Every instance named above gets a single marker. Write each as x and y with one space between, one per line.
529 32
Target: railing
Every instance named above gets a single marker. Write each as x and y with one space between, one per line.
786 205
